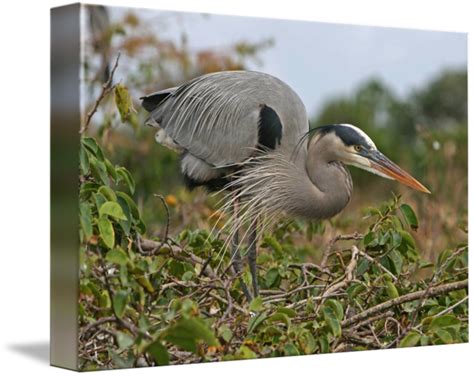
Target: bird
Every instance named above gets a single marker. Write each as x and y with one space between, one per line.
247 133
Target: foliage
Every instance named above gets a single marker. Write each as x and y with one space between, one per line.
156 302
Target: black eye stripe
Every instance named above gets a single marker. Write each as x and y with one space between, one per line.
348 135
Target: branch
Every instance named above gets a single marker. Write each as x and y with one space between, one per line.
151 247
435 291
106 89
327 251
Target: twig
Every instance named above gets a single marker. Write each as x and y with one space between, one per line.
280 297
435 291
371 320
148 247
354 338
332 242
98 322
375 261
450 308
107 87
222 300
165 237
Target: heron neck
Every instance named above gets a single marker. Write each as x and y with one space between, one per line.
328 184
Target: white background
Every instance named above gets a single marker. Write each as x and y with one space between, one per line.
24 196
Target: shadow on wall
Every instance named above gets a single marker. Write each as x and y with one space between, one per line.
38 351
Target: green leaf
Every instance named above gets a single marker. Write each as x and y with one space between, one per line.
407 239
273 243
90 144
392 291
362 266
125 175
159 353
120 302
225 332
396 262
336 307
370 240
290 350
287 311
355 289
104 300
443 256
256 305
245 353
279 316
187 332
444 322
124 340
123 101
111 169
108 193
87 189
307 342
84 161
444 335
145 283
410 340
323 344
119 360
255 321
126 224
117 256
271 277
99 171
131 204
112 209
332 322
106 231
99 199
409 216
86 220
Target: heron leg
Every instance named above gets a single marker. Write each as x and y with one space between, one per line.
252 257
237 258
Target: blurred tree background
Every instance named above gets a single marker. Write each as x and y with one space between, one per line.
424 131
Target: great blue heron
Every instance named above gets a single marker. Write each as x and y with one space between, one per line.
248 132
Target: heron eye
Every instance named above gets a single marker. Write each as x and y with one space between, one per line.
358 148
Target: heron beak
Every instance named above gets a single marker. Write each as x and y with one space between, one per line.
386 167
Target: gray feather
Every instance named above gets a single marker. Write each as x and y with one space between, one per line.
216 117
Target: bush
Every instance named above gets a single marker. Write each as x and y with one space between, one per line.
161 301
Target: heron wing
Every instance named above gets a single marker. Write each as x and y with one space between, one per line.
222 117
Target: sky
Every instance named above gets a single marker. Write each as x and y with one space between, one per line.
322 60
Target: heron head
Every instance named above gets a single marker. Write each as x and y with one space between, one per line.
352 146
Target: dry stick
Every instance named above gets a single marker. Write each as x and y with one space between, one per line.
106 89
280 297
165 238
309 265
435 291
348 276
98 322
324 261
371 320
